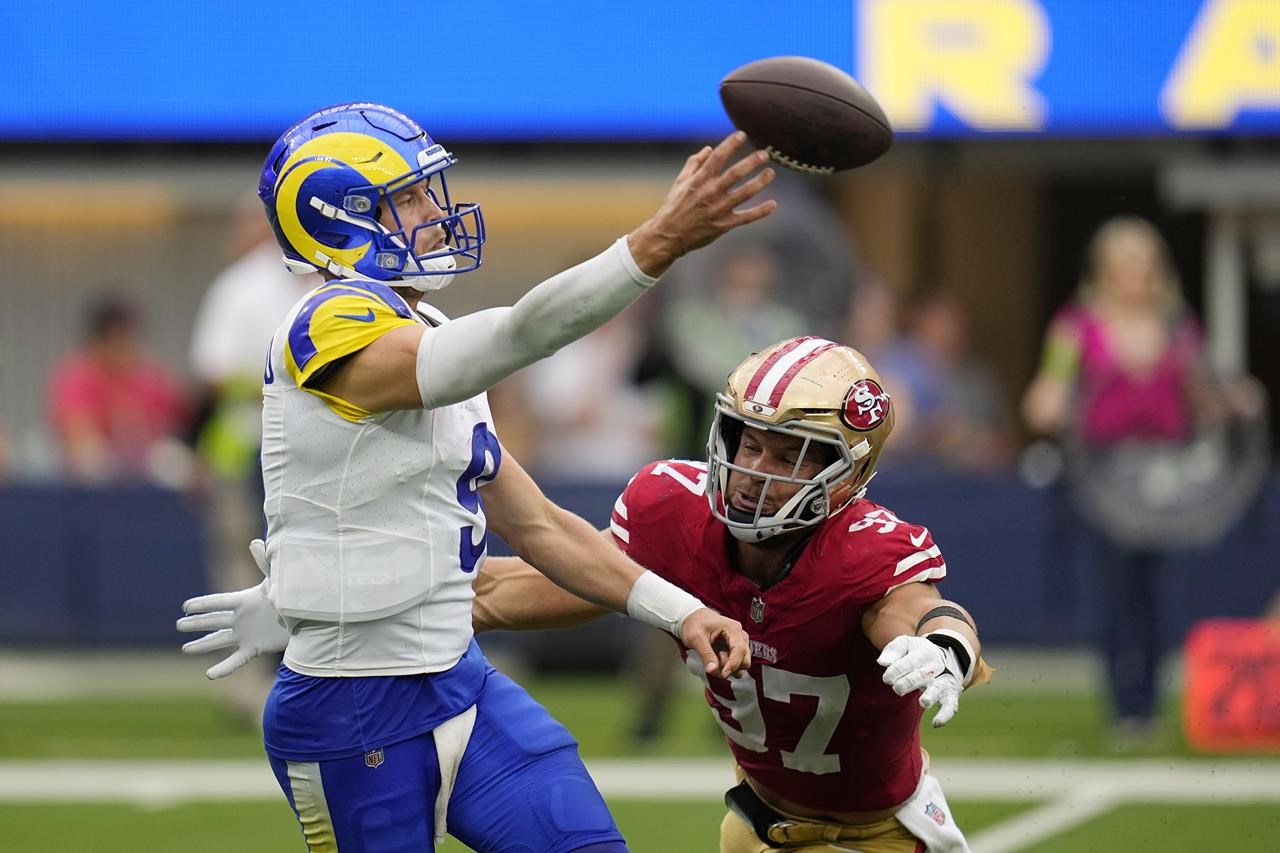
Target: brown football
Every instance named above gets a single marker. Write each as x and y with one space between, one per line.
809 116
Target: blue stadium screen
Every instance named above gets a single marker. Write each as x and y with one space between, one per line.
584 69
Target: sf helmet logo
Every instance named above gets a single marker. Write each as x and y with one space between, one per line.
865 406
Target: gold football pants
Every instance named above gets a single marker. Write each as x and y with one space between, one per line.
885 836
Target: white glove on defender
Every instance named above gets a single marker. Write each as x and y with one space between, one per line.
245 620
916 663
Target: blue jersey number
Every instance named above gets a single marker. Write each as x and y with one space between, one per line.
484 447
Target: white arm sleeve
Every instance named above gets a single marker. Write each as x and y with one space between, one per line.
469 355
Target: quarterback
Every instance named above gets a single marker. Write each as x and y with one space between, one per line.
850 639
382 474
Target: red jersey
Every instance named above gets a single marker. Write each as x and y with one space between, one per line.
811 719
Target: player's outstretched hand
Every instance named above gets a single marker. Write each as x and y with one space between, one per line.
245 620
915 663
720 642
703 204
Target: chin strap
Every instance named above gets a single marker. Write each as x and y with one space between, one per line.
442 269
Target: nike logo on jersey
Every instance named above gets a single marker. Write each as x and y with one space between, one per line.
917 541
366 317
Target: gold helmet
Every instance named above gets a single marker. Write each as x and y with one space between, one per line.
822 392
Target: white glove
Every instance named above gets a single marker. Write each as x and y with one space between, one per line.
246 620
916 663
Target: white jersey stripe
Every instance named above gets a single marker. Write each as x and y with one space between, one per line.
937 572
907 563
780 367
620 508
620 531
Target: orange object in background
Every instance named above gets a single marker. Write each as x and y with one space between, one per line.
1232 685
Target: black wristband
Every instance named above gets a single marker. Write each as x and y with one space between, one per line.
946 641
945 610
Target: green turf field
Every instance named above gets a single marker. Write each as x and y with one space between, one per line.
259 827
264 827
993 724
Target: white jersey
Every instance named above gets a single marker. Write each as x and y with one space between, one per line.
375 524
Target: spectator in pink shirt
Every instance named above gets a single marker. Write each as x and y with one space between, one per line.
114 409
1123 367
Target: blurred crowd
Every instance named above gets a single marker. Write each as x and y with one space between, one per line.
636 390
642 387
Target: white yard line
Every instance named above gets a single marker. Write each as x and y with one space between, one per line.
1073 792
1136 781
1055 816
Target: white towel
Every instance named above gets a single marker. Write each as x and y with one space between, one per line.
929 818
452 737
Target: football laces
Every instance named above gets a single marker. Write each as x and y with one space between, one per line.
792 163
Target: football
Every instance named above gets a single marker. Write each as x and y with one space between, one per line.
808 115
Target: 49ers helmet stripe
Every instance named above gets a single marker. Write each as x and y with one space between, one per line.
773 377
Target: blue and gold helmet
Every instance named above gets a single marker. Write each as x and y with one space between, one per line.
328 179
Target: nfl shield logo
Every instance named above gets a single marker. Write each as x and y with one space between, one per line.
374 758
936 814
757 609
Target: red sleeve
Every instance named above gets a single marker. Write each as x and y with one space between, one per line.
652 518
890 553
638 493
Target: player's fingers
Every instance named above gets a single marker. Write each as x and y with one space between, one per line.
741 169
896 648
901 667
722 645
228 666
206 621
723 152
216 601
950 704
738 655
211 643
751 214
692 164
258 550
905 684
701 644
748 189
933 693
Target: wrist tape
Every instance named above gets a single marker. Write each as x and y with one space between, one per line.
955 643
656 602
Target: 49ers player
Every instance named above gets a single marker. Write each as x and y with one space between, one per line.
838 595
